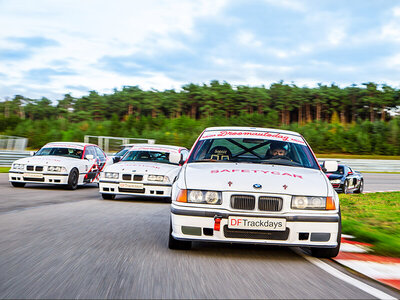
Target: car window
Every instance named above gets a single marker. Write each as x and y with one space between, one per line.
61 151
185 154
151 156
253 150
90 151
100 153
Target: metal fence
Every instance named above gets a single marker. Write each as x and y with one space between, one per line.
15 143
8 157
112 143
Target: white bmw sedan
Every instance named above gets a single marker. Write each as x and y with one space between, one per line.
146 170
61 163
255 185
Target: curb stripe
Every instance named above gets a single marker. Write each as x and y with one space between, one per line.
392 282
367 257
346 278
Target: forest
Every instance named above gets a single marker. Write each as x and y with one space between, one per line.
359 119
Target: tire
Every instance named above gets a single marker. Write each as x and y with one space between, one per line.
108 196
18 184
360 188
73 179
329 252
345 188
176 244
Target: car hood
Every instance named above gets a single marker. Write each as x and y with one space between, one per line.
47 160
142 167
242 177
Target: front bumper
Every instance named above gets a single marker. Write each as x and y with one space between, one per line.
37 177
301 230
146 189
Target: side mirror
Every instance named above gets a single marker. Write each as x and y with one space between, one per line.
116 159
32 153
175 158
330 165
89 156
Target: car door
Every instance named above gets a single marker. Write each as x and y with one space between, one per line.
351 178
93 165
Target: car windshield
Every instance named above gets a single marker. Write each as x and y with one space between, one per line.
61 151
251 150
339 171
153 156
121 152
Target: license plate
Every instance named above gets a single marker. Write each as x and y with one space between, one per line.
137 186
243 222
33 175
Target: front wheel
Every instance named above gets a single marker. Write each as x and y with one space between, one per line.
330 252
73 180
345 188
177 244
360 188
108 196
17 184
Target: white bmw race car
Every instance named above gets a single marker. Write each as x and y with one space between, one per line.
146 170
255 185
64 163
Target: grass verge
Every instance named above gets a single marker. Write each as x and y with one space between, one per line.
373 218
4 169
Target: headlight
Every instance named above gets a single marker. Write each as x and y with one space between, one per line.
335 181
305 202
18 166
56 169
159 178
111 175
204 197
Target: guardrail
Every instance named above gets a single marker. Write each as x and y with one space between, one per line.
362 165
8 157
368 165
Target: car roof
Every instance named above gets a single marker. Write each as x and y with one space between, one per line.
252 129
71 143
159 146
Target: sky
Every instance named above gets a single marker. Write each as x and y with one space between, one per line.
49 48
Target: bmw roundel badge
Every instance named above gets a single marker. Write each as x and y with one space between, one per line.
257 186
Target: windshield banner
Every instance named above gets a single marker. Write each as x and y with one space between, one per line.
155 149
71 146
252 134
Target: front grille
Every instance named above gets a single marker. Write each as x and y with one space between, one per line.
256 234
126 190
29 168
34 179
39 168
243 202
270 203
137 177
126 176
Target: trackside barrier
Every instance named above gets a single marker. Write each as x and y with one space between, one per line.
368 165
362 165
14 143
8 157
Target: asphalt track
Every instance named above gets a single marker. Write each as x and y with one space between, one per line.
56 243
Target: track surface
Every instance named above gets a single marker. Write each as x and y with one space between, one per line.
72 244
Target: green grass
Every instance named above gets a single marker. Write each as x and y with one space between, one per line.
4 169
352 156
373 218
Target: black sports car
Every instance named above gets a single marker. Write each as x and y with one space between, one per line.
345 180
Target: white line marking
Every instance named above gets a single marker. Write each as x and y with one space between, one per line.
334 272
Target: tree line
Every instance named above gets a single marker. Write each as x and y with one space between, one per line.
369 101
353 119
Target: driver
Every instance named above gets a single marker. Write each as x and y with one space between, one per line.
276 149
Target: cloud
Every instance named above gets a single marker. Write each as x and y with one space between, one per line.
45 75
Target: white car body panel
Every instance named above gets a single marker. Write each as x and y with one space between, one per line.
44 176
240 178
141 185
